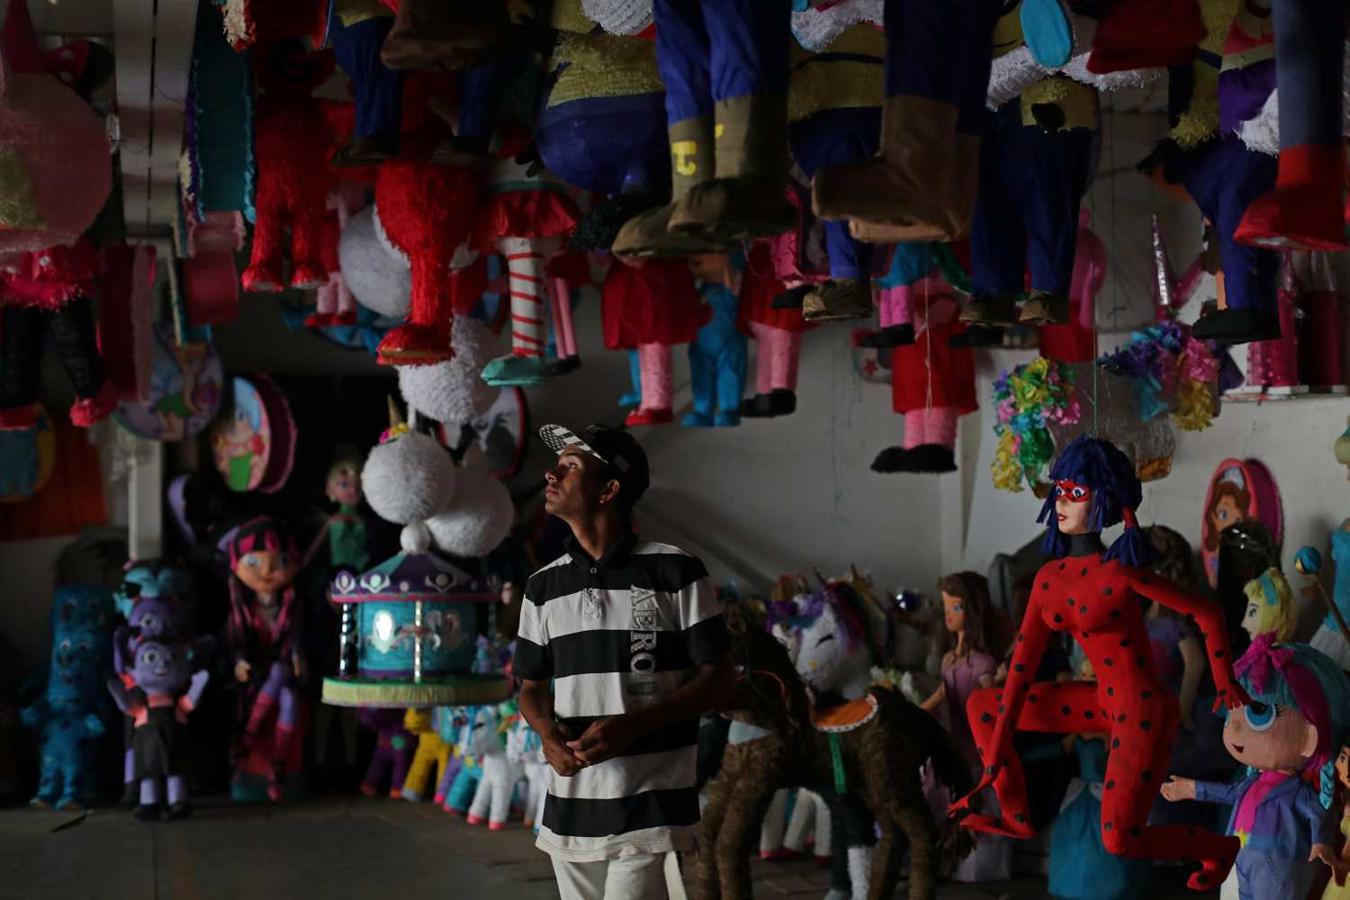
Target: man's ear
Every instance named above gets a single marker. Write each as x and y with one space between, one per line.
611 491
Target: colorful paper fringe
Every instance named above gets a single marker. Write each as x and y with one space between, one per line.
1026 399
1172 372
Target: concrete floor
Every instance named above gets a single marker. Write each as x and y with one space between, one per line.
326 848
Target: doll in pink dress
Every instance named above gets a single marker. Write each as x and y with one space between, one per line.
981 634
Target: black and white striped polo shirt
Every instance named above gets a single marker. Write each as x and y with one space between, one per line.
616 635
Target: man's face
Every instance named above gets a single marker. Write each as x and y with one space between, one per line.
573 486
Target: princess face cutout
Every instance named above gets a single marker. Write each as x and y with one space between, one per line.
1073 505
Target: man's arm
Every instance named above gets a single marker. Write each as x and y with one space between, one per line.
712 687
536 705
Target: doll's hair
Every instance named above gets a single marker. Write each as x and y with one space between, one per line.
986 629
1175 560
1301 678
1277 609
1116 494
1225 488
262 533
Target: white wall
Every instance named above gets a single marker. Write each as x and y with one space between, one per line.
774 495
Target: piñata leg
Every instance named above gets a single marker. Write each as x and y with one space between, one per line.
525 258
748 44
703 387
1223 177
379 91
307 269
998 238
777 352
1054 175
1306 210
633 398
75 339
921 185
682 58
730 375
657 389
1139 752
265 263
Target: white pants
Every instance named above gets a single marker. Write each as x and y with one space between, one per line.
641 877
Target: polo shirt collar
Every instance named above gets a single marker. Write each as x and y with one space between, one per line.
615 556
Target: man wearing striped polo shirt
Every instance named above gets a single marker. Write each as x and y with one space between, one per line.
631 637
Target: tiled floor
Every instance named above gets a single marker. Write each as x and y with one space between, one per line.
326 848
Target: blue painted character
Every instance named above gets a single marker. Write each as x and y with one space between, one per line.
717 356
68 717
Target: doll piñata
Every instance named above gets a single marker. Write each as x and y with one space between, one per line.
724 64
429 759
1338 888
68 717
165 689
1328 637
603 124
156 600
1286 734
981 635
426 211
291 136
717 354
1179 657
922 184
1075 340
1093 593
267 651
1223 176
1271 607
1080 867
392 754
334 302
45 293
525 218
650 308
492 800
834 115
932 383
1035 160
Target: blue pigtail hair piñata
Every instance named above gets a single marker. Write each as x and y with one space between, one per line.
1116 493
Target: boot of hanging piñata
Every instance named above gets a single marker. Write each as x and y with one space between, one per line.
1306 210
921 185
691 163
747 198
